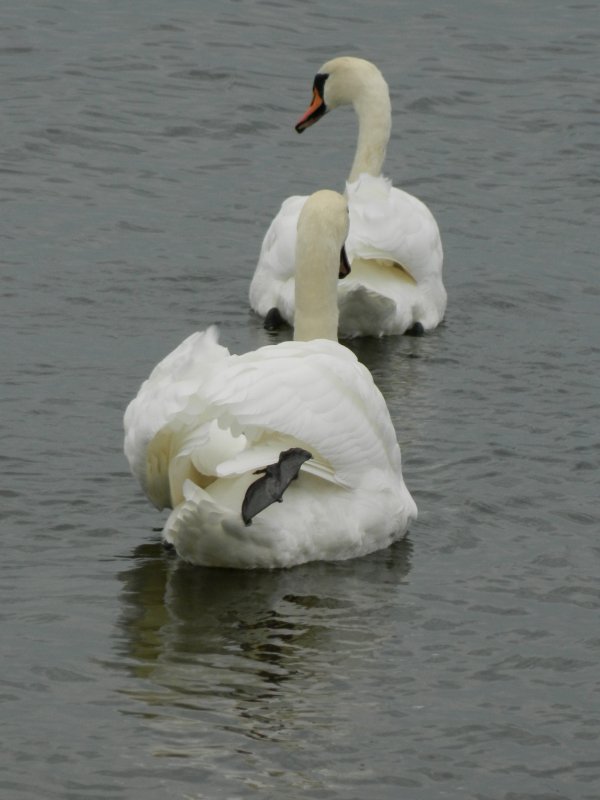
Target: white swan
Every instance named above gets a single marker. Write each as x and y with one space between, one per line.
394 243
205 421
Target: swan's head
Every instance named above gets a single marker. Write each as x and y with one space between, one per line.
342 81
323 226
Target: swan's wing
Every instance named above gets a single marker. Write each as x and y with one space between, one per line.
388 223
272 285
204 414
317 394
169 407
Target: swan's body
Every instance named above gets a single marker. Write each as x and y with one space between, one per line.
394 243
205 421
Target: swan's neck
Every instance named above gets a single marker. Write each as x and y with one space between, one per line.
316 308
374 113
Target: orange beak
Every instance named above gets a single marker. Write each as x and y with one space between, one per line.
313 113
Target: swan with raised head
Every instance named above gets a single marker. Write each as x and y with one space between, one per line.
394 243
283 455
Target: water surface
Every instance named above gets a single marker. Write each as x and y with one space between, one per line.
145 148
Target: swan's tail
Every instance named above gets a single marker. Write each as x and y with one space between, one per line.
364 312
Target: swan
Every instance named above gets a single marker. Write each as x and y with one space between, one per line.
394 243
304 415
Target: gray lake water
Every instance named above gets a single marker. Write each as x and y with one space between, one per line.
145 147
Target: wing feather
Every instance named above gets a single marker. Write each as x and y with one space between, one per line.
389 223
204 414
273 282
315 392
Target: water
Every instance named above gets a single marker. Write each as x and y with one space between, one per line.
145 147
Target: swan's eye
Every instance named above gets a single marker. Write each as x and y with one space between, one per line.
319 83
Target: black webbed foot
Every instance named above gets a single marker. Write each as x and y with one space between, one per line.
276 478
416 330
274 321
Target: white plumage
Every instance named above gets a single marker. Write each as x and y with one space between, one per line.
394 243
205 421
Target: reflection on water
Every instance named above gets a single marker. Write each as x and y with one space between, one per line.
223 641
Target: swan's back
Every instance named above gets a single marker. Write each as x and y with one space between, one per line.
195 440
